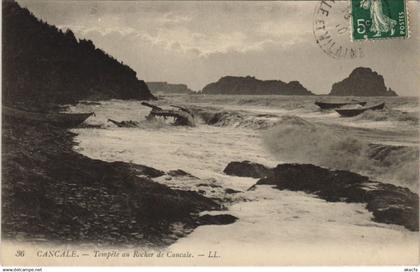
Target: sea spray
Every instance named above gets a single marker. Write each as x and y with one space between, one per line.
294 139
410 118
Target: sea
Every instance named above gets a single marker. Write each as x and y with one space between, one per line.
270 130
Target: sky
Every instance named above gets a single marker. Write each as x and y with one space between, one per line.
198 42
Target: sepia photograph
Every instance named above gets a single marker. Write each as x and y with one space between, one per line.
210 133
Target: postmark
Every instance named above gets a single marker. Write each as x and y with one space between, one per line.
379 19
332 31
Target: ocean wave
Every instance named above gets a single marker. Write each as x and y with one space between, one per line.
411 118
101 123
221 118
294 139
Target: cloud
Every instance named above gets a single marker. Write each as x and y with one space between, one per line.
196 42
171 18
103 31
201 28
186 33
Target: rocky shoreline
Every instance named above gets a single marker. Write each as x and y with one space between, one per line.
51 193
388 203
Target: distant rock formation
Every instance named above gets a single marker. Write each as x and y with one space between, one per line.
362 82
168 88
44 65
251 85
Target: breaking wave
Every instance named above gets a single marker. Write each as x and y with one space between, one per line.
110 123
411 118
294 139
237 119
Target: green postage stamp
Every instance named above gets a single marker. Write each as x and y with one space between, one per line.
379 19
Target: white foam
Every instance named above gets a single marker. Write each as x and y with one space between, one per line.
268 218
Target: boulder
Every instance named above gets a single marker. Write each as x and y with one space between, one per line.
247 169
219 219
138 169
231 191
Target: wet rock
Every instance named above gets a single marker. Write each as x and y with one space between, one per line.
138 169
389 203
247 169
45 180
231 191
394 205
220 219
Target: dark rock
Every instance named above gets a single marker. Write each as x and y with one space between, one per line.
388 203
168 88
362 82
251 85
44 180
180 173
247 169
138 169
220 219
231 191
394 205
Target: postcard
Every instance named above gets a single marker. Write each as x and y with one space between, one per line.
210 133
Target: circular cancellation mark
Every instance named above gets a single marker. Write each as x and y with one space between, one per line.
332 30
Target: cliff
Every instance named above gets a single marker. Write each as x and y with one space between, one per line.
251 85
168 88
43 65
362 82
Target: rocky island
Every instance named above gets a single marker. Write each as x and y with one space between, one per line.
252 86
362 82
168 88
